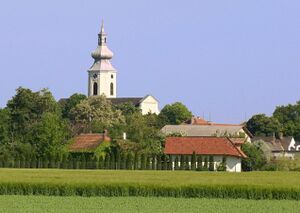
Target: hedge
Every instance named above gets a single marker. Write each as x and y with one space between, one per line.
191 191
119 161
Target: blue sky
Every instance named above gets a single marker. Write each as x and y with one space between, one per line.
229 59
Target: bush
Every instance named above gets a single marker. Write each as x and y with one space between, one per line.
211 163
199 163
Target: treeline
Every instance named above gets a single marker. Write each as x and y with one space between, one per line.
285 120
119 161
36 126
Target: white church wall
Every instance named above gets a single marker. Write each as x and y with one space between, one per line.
105 81
149 104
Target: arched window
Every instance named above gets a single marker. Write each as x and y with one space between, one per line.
111 89
95 89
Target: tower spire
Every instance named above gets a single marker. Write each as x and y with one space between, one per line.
102 27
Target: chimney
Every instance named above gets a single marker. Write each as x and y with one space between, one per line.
105 134
124 136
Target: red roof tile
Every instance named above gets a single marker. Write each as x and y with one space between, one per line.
87 142
202 146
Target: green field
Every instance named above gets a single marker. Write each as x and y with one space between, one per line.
165 178
34 204
112 183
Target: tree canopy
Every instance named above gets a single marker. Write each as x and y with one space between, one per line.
175 113
285 119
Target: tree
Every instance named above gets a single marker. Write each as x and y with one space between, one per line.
193 161
199 163
262 125
95 114
49 135
256 159
139 131
174 114
68 104
211 166
127 109
4 126
289 117
26 109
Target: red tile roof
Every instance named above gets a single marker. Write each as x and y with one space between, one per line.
202 146
88 142
201 121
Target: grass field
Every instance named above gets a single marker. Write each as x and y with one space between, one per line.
184 184
165 178
34 204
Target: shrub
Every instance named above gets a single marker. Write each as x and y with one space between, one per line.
199 163
211 163
222 165
193 161
176 166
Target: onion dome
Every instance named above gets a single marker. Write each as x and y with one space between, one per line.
102 51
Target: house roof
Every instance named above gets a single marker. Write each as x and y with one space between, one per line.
134 101
201 130
87 142
201 121
286 141
202 146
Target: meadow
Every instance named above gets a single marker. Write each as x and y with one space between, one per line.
49 204
116 183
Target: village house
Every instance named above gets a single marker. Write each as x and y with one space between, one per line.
278 147
217 147
88 142
200 127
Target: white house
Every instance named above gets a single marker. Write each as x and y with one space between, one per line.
147 104
217 147
279 147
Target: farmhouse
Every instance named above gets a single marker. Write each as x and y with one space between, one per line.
278 147
217 147
199 127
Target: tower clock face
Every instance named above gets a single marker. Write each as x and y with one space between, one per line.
95 76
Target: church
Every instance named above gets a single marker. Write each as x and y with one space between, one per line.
102 79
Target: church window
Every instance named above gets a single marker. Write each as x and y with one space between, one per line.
95 89
112 76
111 89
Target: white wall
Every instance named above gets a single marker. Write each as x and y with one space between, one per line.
104 79
233 164
149 104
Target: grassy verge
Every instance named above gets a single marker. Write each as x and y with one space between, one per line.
256 185
138 204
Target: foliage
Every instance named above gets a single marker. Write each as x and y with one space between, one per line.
289 117
102 149
48 135
256 159
95 114
68 104
140 129
175 113
4 126
262 125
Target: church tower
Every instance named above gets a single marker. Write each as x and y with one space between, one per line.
102 76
